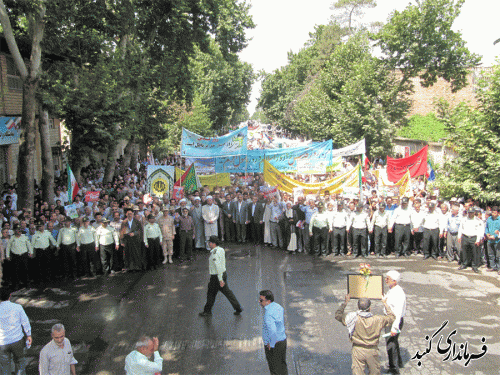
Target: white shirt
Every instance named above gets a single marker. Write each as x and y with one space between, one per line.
380 219
400 216
396 300
13 320
55 360
432 221
137 363
417 219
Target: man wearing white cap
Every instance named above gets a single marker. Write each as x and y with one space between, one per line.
210 213
396 299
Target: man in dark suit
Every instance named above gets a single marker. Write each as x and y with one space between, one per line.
240 218
255 217
228 218
131 236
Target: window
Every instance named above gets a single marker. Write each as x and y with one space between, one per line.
51 124
13 78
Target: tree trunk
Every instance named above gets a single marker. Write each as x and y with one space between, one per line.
109 170
25 167
134 157
47 162
127 152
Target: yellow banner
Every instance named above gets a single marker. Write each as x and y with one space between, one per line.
284 183
405 185
212 180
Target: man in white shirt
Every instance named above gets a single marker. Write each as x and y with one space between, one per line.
396 300
14 325
138 362
56 358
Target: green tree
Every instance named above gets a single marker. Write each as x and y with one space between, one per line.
351 12
427 128
475 137
223 85
420 42
352 98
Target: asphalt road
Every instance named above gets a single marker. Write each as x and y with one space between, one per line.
105 316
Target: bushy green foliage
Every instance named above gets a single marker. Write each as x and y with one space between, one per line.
475 137
426 128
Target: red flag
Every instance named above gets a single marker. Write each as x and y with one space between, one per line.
417 164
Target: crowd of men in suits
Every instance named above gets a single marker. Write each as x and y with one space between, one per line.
122 230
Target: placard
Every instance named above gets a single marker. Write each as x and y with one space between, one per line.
358 286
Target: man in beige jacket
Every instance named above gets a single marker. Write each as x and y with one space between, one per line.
364 332
166 223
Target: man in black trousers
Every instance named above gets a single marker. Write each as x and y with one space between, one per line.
218 278
255 219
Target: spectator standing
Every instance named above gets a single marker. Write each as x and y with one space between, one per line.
273 333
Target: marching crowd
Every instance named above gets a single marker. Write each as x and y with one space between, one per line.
125 229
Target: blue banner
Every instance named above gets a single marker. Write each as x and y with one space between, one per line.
231 144
285 160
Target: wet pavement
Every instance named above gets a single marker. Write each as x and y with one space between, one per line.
105 316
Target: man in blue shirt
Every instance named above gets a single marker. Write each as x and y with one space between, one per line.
273 333
492 233
14 325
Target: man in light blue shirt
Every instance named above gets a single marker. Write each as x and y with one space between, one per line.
14 324
492 232
145 359
273 333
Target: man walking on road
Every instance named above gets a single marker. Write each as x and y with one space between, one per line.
218 278
364 332
273 333
14 325
57 356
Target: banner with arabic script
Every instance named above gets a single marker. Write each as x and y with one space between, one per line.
285 159
357 148
274 177
194 145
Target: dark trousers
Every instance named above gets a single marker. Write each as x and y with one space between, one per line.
186 244
229 229
338 246
305 238
431 242
86 257
470 252
452 247
380 240
107 260
241 232
493 254
154 252
68 254
255 229
45 259
13 351
19 268
214 288
402 239
360 241
417 241
276 358
320 236
395 360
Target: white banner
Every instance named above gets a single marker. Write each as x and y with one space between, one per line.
354 149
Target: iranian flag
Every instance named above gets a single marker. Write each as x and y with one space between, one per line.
72 185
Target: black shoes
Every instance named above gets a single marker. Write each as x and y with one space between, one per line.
237 312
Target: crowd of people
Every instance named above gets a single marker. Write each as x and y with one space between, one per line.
126 229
